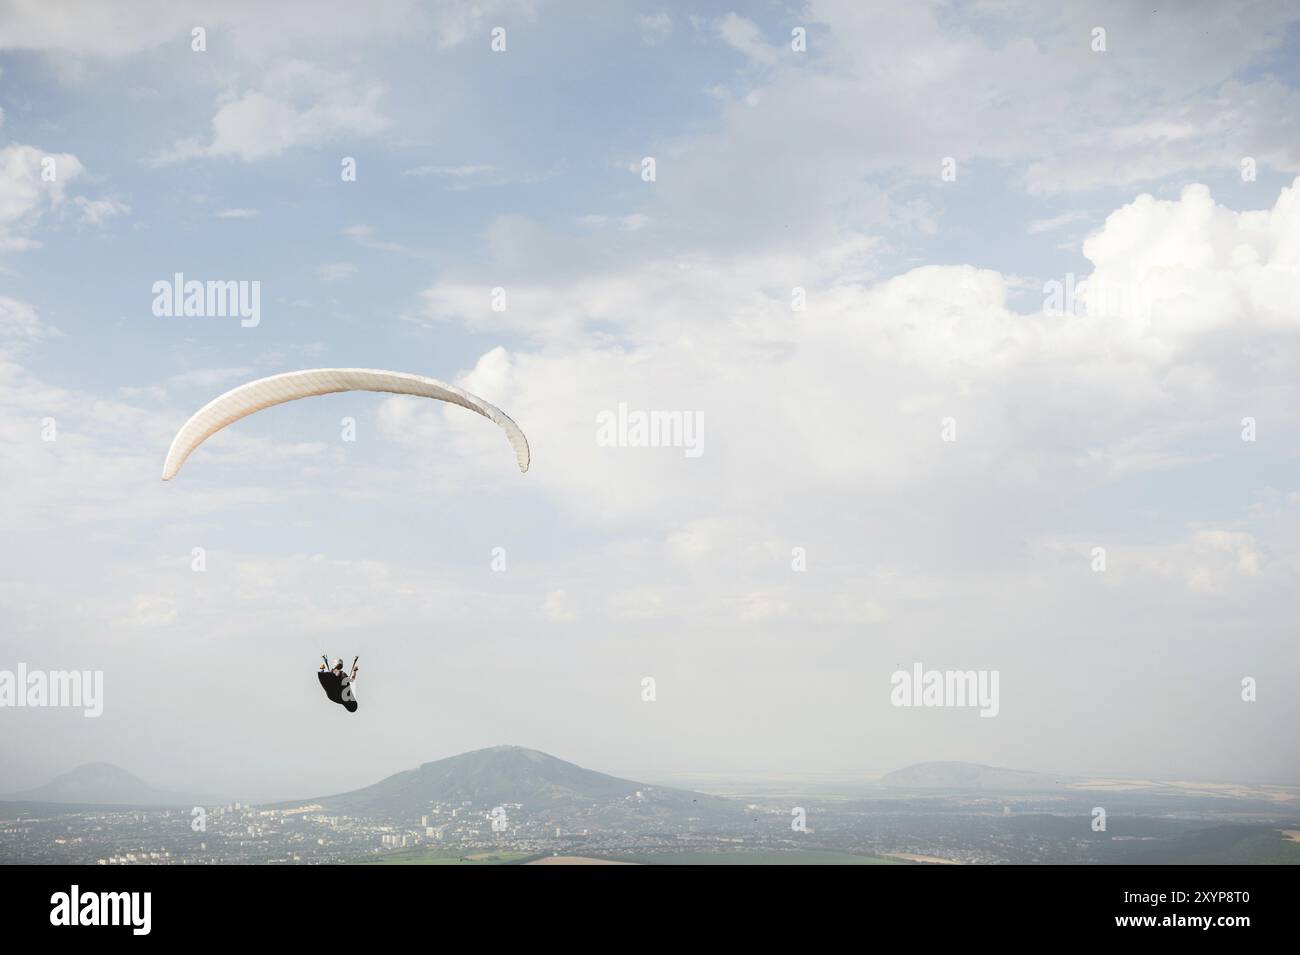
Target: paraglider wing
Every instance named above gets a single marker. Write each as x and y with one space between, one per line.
290 386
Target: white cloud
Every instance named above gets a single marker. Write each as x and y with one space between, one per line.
560 607
333 271
654 26
1211 563
238 213
1056 222
453 172
19 321
633 222
760 606
847 397
100 461
638 604
813 154
146 612
89 28
744 35
473 176
86 28
364 235
455 22
297 104
187 382
823 426
96 212
27 194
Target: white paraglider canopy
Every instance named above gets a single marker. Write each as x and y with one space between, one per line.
243 401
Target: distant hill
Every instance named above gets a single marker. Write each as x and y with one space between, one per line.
512 774
968 776
103 784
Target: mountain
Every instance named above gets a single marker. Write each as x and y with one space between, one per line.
968 776
103 784
511 774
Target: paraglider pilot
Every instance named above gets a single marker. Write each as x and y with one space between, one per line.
338 685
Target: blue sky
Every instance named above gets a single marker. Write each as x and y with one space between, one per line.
776 169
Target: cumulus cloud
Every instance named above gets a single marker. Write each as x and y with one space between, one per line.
85 28
366 235
848 396
1215 562
92 29
654 26
32 183
70 458
96 212
744 35
19 321
769 282
296 104
808 154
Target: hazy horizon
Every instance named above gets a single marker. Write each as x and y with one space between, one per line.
808 781
845 265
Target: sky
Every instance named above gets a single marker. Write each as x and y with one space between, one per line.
828 232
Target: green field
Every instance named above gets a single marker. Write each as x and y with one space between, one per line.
450 856
753 857
440 856
1220 845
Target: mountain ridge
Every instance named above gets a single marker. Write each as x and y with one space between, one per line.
499 775
104 784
